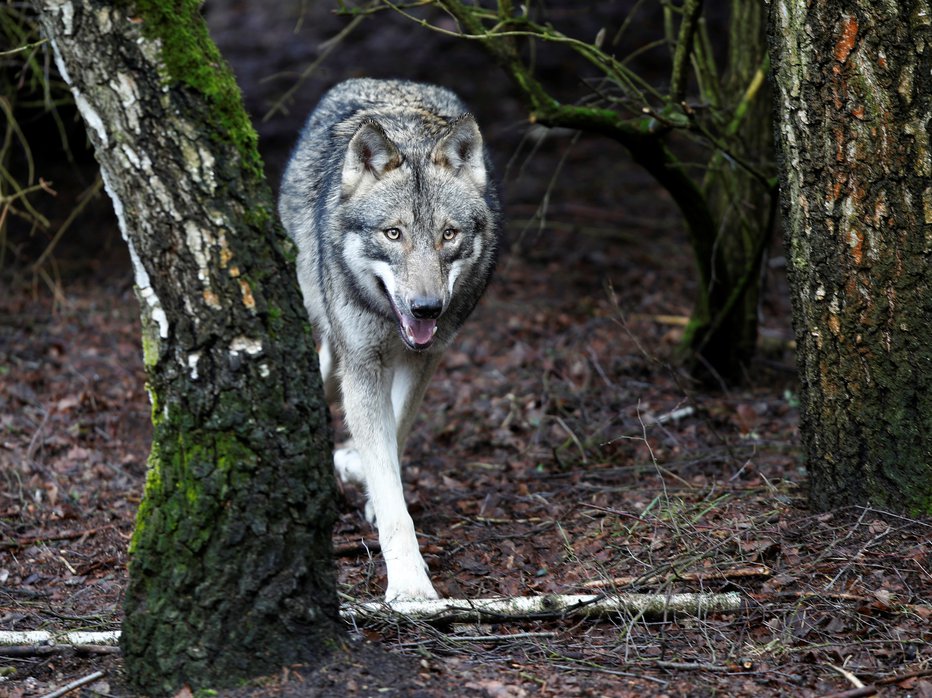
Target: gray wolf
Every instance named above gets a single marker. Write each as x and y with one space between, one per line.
389 199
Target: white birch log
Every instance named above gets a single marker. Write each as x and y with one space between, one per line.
550 606
10 638
465 610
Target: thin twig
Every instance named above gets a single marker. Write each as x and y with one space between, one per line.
22 49
45 650
83 200
325 50
691 666
351 549
684 48
64 535
856 682
896 678
67 688
610 672
34 442
871 688
883 512
853 692
707 575
500 638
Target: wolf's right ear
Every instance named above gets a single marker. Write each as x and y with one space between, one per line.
369 155
460 150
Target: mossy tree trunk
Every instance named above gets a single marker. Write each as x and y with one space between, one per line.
230 567
854 96
721 339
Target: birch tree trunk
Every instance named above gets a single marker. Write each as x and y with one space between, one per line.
230 571
853 83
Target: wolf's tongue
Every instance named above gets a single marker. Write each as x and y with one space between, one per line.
419 331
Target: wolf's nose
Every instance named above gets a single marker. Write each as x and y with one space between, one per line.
426 308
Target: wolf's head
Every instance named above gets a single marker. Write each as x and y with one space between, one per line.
419 220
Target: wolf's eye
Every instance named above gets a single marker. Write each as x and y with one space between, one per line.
449 234
392 233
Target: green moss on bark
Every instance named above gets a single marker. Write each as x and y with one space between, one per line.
231 548
192 59
230 572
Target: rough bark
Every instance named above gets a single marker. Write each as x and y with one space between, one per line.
230 572
854 107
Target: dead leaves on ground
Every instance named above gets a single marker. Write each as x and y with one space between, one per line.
554 455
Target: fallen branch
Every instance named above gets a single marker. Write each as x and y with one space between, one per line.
460 611
353 548
896 678
922 610
44 637
508 637
862 692
67 688
872 688
551 606
64 535
693 666
703 576
855 681
47 650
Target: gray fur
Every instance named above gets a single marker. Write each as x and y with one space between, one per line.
389 198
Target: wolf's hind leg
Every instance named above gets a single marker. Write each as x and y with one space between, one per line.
329 365
348 465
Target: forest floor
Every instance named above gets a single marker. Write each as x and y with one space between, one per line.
559 450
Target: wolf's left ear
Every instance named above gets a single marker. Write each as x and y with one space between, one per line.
461 151
369 156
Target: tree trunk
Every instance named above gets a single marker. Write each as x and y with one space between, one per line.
722 336
854 95
230 570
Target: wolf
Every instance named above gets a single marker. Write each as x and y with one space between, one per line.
390 201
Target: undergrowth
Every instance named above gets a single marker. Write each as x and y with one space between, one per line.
33 100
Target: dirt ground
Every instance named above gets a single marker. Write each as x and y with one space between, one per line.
559 449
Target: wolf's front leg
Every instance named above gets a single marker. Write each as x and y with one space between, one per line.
367 402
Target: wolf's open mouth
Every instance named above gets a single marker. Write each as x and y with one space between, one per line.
417 334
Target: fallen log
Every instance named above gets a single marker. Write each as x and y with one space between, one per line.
44 637
547 606
464 611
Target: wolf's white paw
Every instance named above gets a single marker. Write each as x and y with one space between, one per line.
410 587
407 572
370 514
348 464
